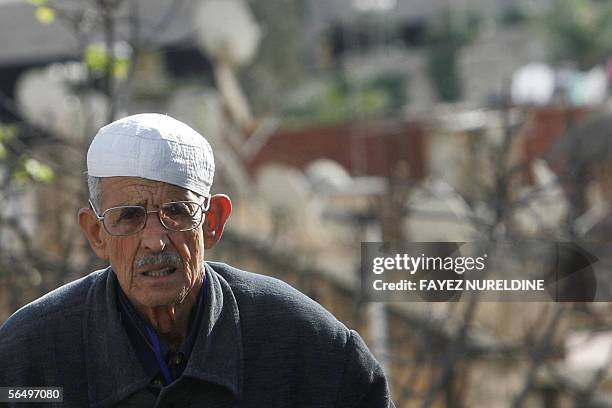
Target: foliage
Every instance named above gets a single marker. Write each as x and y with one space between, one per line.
444 44
7 133
97 58
26 168
33 170
513 15
44 13
344 98
578 30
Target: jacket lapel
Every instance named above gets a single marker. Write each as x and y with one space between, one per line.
217 353
113 370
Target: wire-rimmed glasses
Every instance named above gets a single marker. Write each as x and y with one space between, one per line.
174 216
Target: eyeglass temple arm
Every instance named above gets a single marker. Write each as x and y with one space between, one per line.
206 207
98 216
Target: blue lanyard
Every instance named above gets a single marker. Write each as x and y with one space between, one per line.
158 355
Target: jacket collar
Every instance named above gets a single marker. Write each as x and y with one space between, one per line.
113 369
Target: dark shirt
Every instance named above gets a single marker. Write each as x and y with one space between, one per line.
140 333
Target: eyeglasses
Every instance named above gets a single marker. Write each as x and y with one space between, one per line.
174 216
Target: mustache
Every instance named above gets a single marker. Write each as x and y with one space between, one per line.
171 258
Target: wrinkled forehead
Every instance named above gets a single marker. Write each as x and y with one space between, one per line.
123 190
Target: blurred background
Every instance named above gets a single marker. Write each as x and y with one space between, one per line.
336 122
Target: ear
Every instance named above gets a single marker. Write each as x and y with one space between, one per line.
93 231
218 213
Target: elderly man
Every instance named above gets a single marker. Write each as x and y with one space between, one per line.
162 327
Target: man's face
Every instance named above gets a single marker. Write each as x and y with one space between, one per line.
128 254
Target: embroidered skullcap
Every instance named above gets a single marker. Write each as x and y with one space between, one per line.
154 147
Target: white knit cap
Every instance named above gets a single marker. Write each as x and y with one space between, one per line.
154 147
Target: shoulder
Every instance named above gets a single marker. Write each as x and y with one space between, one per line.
288 335
58 305
42 342
274 305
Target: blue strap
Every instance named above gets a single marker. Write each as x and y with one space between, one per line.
158 355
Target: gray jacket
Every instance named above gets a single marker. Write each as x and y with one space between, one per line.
262 344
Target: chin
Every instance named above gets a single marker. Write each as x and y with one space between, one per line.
161 299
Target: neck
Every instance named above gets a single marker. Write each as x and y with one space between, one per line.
172 322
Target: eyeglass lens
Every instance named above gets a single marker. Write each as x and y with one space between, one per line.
179 216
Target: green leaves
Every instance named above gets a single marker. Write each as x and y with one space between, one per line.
32 170
342 98
7 133
37 171
44 13
579 31
446 38
121 68
97 58
28 169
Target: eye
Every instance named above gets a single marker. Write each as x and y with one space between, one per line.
129 214
178 210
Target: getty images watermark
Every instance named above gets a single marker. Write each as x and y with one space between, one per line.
506 271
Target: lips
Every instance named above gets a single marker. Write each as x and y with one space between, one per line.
159 273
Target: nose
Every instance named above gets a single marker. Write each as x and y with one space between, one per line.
154 237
